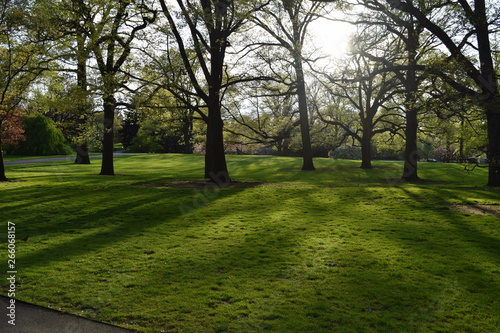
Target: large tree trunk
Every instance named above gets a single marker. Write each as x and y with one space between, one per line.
82 154
187 135
307 156
490 89
215 158
107 167
366 151
493 117
3 178
410 155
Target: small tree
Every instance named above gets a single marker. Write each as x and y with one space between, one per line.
130 127
264 115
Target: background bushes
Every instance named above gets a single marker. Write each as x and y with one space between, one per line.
42 138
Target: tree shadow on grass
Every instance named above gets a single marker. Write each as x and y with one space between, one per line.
455 251
91 229
271 279
463 226
264 269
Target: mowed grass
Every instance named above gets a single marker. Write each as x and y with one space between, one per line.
336 250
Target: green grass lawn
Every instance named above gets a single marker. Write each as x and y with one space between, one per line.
336 250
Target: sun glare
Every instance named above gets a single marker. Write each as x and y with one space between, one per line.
330 38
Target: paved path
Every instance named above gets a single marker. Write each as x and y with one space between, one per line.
30 318
41 160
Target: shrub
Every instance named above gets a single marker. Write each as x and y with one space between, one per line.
446 154
346 153
42 138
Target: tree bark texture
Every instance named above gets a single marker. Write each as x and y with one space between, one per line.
307 156
493 118
491 95
107 166
82 154
410 171
215 158
3 177
366 150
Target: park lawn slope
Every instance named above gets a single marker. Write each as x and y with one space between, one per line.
336 250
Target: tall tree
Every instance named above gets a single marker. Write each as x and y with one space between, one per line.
475 19
78 25
74 51
406 63
202 47
286 21
62 23
370 91
111 28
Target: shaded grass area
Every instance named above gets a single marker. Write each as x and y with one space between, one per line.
336 250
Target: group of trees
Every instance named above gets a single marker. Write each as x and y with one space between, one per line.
244 73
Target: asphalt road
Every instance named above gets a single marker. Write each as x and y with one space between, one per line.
30 318
39 160
52 159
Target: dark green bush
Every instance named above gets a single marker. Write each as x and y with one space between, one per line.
42 138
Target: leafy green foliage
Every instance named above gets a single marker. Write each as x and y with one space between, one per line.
160 131
130 127
67 105
346 152
42 138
